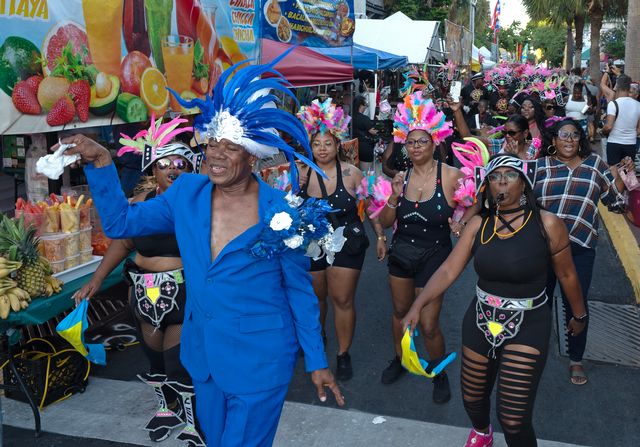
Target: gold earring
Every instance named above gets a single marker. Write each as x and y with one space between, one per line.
551 146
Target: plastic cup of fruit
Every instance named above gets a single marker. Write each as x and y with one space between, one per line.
55 246
73 244
85 239
35 219
58 266
71 262
86 256
70 220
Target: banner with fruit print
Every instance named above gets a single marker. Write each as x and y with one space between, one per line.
312 23
67 64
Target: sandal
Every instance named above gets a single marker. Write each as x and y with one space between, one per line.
577 375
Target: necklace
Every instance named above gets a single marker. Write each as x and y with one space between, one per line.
331 176
501 236
428 174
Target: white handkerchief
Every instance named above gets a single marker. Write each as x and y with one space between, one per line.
53 165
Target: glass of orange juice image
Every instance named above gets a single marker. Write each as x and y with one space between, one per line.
103 19
177 52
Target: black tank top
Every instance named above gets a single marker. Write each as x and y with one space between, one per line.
514 267
340 200
158 244
425 223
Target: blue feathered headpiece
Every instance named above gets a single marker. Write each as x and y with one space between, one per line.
242 108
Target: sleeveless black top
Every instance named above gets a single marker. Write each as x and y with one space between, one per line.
425 223
157 244
340 200
514 267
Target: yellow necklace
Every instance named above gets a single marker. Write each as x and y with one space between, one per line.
502 236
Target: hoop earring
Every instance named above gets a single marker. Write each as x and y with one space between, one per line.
555 151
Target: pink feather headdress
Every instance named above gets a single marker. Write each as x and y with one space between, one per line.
325 117
155 142
417 113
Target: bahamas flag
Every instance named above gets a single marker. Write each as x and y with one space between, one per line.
72 329
416 365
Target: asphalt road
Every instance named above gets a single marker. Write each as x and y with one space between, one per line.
602 413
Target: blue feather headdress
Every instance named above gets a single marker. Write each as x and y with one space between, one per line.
243 109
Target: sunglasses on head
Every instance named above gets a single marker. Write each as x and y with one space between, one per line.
178 163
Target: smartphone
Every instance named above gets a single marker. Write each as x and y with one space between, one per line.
456 89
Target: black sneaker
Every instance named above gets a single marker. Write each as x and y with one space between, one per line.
344 371
441 389
393 372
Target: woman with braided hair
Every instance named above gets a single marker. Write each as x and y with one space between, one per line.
505 331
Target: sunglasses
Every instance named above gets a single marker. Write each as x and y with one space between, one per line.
178 163
566 135
548 107
421 142
512 133
508 177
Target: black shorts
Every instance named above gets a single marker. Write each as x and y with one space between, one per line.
341 260
534 331
425 270
616 152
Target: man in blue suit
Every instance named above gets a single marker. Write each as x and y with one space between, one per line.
246 317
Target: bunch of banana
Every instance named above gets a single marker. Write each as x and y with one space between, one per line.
8 267
6 284
13 299
52 285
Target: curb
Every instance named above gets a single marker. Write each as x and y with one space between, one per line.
625 245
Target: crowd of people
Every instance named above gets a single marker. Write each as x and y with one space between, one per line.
505 174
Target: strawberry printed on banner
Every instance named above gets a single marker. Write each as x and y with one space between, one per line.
82 63
314 23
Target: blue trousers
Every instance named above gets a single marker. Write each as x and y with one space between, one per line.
583 258
247 420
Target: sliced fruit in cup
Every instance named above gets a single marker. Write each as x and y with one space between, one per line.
153 90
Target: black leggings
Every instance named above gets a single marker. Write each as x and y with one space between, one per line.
518 366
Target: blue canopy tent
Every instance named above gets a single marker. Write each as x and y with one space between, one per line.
364 58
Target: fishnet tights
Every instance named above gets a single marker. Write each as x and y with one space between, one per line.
518 368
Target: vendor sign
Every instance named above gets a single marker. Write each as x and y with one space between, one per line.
314 23
78 63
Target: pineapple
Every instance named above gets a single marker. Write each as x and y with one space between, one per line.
20 243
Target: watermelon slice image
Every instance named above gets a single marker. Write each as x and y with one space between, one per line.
57 38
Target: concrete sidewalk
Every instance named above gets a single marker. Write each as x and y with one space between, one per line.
115 410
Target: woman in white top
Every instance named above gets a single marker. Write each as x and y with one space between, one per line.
577 107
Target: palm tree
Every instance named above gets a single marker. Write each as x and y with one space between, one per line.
632 47
563 13
597 11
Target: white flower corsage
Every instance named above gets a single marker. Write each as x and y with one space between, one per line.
299 225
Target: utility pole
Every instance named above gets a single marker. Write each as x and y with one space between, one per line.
472 21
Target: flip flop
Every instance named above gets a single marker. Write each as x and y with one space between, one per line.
577 375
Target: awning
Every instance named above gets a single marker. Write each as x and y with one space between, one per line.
304 67
365 58
398 34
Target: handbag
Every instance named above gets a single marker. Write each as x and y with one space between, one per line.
408 256
357 240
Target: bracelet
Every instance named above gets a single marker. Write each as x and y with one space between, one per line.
382 237
393 207
581 319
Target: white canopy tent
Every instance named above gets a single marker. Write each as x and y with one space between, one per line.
398 34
